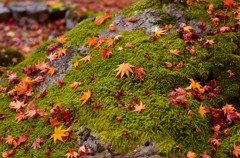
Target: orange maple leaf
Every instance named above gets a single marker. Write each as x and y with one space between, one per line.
124 68
231 74
16 105
58 134
100 19
194 85
20 116
175 51
92 41
61 40
53 121
10 140
52 57
110 42
61 51
139 71
85 96
228 2
71 154
139 107
214 141
236 150
191 154
51 71
228 109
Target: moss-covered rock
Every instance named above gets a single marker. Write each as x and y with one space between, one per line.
171 127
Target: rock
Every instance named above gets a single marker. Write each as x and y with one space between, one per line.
5 13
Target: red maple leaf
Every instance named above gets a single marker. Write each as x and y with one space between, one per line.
106 53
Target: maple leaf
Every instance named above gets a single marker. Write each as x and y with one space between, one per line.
189 2
236 150
53 121
86 58
100 19
58 134
42 66
31 111
228 109
51 71
191 154
194 85
5 154
75 64
52 57
106 53
61 51
16 105
231 74
20 116
92 41
75 85
21 139
112 27
37 143
110 42
28 80
71 154
168 64
61 40
216 128
187 29
85 96
22 88
139 107
139 71
202 110
12 77
175 51
205 155
124 68
228 2
9 140
214 141
158 32
129 45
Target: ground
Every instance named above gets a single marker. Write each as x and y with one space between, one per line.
175 127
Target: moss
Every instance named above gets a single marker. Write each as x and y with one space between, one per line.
161 122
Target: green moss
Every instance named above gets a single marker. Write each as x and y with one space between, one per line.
161 122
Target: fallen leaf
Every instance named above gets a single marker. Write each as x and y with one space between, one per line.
75 85
54 121
16 105
175 51
71 154
205 155
106 53
202 110
139 107
61 40
124 68
228 109
158 32
75 64
129 45
139 71
9 140
20 116
58 134
231 74
86 58
92 41
110 42
194 85
52 57
236 150
168 64
5 154
112 27
191 154
51 71
61 51
228 2
85 96
100 19
214 141
37 143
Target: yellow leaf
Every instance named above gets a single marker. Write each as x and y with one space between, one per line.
194 85
158 32
124 68
58 134
139 107
191 154
51 71
202 110
175 51
75 64
85 96
86 58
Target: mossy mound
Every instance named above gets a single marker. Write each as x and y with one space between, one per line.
171 127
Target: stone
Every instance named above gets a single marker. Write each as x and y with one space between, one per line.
5 13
